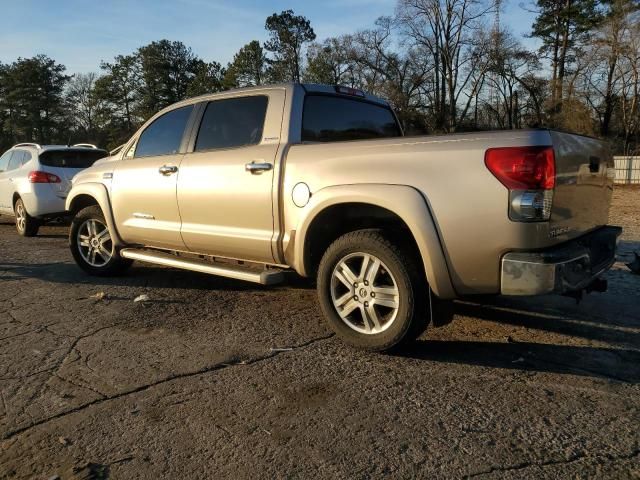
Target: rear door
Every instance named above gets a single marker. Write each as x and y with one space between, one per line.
584 184
225 187
143 189
6 190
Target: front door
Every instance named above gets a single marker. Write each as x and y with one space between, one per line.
225 187
144 184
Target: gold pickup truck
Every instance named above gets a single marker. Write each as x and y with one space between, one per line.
320 180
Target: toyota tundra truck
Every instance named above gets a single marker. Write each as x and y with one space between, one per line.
319 180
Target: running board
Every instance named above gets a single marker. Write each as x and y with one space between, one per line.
264 277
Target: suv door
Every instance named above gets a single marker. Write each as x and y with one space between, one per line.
6 188
225 188
143 188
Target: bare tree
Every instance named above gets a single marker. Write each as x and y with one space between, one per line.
82 101
445 30
629 73
399 77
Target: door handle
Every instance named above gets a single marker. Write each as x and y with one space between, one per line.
168 169
255 167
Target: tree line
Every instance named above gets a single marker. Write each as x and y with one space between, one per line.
445 66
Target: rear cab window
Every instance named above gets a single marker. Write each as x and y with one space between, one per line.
332 118
69 158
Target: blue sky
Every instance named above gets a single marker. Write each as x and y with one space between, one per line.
79 34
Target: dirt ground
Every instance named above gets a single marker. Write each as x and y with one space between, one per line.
220 379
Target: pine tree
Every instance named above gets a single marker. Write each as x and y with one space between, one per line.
563 26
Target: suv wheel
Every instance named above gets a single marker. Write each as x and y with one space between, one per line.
92 246
371 292
26 225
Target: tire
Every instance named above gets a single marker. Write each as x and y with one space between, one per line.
387 308
26 225
86 236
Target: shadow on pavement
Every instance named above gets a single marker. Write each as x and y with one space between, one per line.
620 364
139 275
610 363
577 324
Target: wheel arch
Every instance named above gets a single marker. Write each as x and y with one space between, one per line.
400 209
88 194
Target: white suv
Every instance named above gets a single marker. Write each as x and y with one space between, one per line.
35 181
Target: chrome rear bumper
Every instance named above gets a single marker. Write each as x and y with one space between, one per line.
569 267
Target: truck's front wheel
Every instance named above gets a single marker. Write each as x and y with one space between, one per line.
92 246
370 291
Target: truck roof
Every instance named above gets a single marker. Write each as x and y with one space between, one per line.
291 86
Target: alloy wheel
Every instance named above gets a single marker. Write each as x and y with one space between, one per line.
364 293
21 217
94 243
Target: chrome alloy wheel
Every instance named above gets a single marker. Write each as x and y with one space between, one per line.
367 301
21 217
94 243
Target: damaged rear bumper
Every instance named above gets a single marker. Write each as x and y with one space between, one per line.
570 267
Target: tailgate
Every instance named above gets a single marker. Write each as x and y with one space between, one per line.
67 162
584 184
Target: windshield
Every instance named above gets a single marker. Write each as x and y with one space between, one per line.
71 158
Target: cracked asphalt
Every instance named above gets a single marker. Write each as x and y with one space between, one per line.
215 378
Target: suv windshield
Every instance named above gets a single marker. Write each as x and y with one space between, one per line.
71 158
333 119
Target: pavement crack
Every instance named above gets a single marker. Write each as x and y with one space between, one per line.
19 334
32 374
566 461
56 369
80 385
208 369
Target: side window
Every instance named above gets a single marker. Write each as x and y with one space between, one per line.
234 122
164 135
26 156
4 161
16 160
328 118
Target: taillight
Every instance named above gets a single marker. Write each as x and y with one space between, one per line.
529 173
43 177
523 167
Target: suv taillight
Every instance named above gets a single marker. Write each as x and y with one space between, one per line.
43 177
529 173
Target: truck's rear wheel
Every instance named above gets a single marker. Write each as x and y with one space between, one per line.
370 291
92 246
26 225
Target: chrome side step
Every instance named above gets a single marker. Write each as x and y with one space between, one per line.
265 277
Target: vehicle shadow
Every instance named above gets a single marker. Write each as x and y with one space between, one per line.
621 365
625 250
52 235
139 275
537 317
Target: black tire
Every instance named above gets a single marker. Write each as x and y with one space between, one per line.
26 225
412 315
116 265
